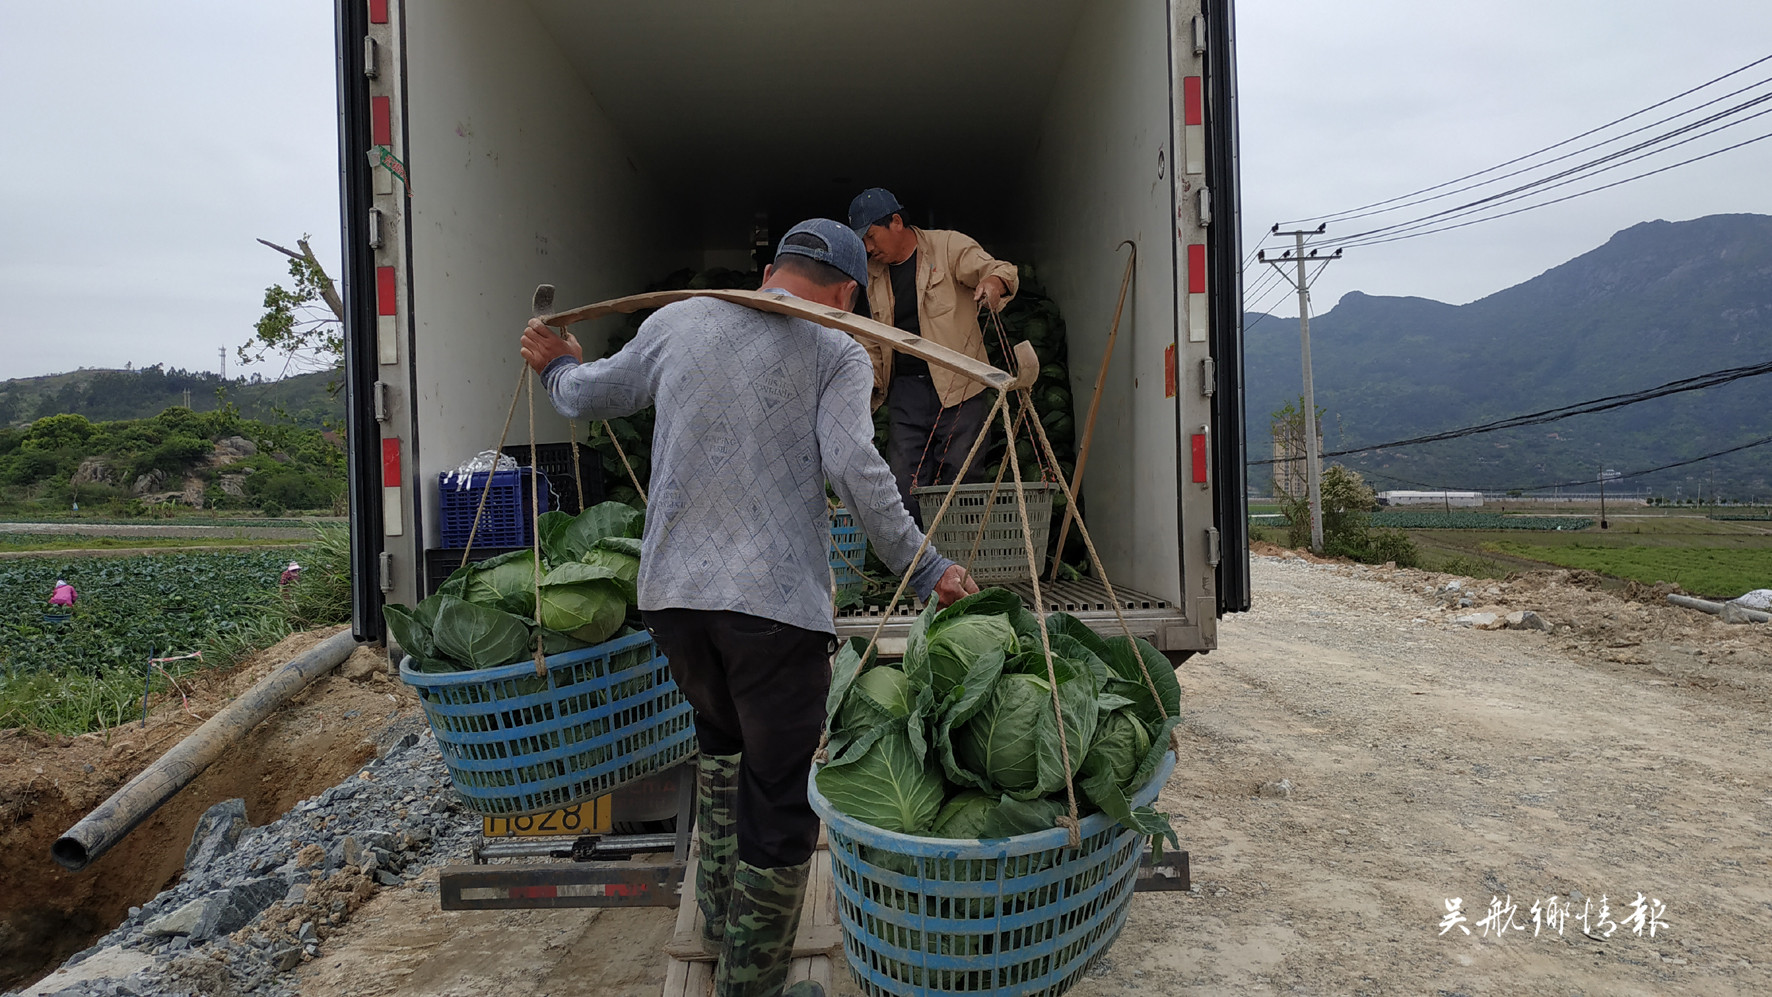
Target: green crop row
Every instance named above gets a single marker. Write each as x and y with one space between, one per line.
1475 521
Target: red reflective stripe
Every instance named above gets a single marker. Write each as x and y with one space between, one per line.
1199 458
381 118
390 463
1169 371
1192 106
1196 268
534 892
384 291
378 11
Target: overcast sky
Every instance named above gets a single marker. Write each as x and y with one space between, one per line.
147 145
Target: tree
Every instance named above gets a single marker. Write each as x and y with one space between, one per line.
1347 522
294 326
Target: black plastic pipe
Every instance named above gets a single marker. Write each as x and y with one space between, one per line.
173 771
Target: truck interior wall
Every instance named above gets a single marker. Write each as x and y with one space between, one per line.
1101 175
519 179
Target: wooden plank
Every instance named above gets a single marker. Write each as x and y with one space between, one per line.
831 318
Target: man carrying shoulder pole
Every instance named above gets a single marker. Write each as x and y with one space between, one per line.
755 413
930 283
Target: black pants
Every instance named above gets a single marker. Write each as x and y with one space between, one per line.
926 443
758 688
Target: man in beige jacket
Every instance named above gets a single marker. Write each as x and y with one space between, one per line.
931 283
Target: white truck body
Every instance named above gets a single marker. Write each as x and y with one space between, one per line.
599 144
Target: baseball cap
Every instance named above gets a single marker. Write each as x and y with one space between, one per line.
828 242
870 206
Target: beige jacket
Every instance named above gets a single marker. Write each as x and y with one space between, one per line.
949 267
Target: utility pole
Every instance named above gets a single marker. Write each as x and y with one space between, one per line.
1313 476
224 362
1602 495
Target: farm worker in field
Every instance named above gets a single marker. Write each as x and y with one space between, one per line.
290 575
755 412
63 594
930 283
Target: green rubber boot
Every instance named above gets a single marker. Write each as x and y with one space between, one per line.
716 828
760 931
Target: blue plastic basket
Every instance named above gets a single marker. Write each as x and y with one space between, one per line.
519 743
1024 916
849 551
505 523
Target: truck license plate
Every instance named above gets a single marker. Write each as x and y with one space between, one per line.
580 818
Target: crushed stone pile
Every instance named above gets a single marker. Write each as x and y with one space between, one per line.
254 903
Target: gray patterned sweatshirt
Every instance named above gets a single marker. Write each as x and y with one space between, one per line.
755 412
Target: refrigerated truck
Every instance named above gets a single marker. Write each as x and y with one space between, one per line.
487 147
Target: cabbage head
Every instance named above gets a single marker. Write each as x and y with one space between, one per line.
957 642
572 540
606 555
476 636
963 816
585 602
879 695
1119 749
1002 743
505 582
885 786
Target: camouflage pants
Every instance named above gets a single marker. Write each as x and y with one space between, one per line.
760 929
716 828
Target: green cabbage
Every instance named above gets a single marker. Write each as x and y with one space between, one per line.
505 582
477 636
963 816
954 644
1002 743
626 566
885 785
584 601
573 540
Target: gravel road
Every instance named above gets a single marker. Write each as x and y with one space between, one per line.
1352 760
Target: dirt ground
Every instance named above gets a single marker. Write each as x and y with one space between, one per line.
1624 751
48 783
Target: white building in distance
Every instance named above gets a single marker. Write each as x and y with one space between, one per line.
1465 500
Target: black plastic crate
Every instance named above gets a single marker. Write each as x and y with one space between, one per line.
556 464
441 562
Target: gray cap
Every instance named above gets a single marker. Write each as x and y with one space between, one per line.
870 206
829 242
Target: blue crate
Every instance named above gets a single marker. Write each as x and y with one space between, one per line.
519 743
506 521
849 551
1025 916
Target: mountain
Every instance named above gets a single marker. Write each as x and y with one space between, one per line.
1659 301
100 395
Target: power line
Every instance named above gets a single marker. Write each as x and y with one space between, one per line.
1589 148
1566 177
1695 383
1762 441
1567 197
1529 155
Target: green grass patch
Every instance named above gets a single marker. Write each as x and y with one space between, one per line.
90 671
1709 571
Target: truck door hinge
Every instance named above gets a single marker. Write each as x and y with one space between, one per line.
1214 546
387 571
369 67
1208 377
374 228
1205 206
1199 34
379 401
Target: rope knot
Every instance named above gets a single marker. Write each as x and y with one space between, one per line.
1074 828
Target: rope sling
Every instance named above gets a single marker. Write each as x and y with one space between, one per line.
1004 383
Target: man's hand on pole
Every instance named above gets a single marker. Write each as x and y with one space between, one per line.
990 293
541 346
956 583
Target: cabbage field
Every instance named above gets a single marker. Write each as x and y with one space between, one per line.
169 603
1401 520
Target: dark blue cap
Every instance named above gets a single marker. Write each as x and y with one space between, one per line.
827 241
870 206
